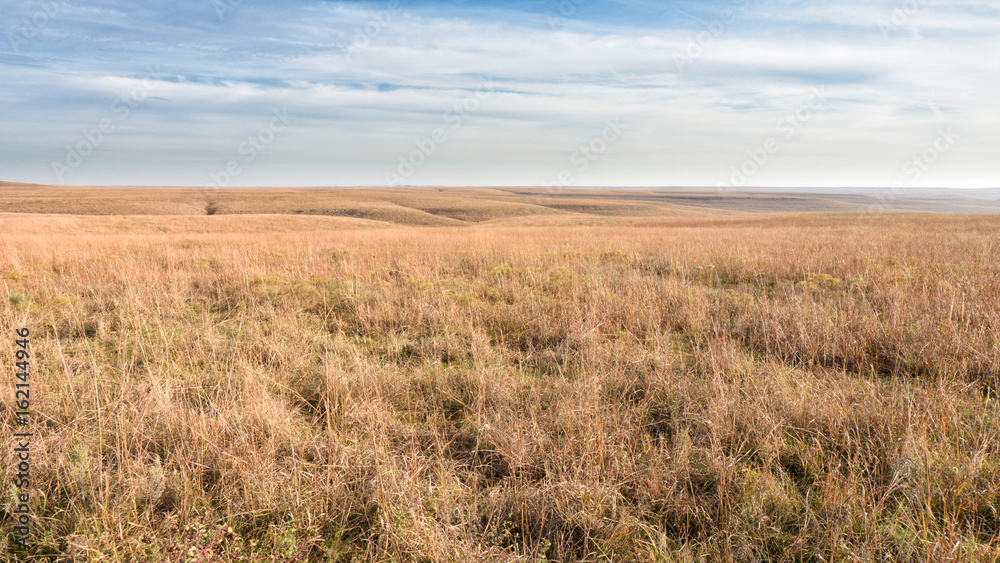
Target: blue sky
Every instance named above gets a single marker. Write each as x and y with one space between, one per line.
725 93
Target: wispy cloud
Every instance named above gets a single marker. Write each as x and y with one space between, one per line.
357 109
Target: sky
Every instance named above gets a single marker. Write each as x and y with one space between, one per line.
716 93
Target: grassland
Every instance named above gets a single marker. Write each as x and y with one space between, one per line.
502 381
464 206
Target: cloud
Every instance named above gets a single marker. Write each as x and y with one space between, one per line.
365 82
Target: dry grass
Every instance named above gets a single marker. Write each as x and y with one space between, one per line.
798 388
416 207
462 206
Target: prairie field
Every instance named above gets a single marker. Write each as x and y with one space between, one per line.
587 381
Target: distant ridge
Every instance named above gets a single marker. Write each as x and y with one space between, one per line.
466 206
21 184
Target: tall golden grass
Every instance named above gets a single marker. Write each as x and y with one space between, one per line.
795 388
